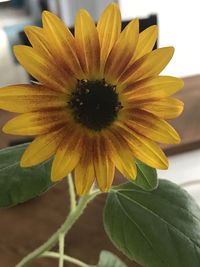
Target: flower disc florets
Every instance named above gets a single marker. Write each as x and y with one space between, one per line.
95 104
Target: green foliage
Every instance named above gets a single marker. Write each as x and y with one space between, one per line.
107 259
146 177
159 228
18 184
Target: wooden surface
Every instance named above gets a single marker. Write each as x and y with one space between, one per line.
188 124
26 226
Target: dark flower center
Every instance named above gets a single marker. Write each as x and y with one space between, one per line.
94 104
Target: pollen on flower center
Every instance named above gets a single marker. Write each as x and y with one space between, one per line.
94 104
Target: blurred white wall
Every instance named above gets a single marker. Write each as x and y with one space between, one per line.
69 8
179 23
184 169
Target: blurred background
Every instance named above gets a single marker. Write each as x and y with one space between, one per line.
178 24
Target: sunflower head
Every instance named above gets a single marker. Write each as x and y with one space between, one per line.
99 103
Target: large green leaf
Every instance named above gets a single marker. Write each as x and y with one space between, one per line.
146 177
108 259
18 184
159 228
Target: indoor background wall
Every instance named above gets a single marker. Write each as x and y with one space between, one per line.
69 8
178 21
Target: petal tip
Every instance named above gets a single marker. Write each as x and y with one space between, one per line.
176 138
24 163
181 108
83 12
154 31
165 165
55 177
135 22
181 83
82 191
104 189
16 48
27 29
168 49
47 16
171 49
153 28
133 177
46 13
27 161
6 129
113 4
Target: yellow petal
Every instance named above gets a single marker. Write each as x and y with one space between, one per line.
152 127
153 88
42 148
84 171
27 98
149 65
109 28
146 42
122 52
42 45
88 40
36 123
166 108
121 155
104 167
38 41
67 155
84 177
42 69
143 148
61 43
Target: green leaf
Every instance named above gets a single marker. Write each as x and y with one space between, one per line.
18 184
107 259
146 177
159 228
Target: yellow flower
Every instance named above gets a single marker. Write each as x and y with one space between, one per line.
99 102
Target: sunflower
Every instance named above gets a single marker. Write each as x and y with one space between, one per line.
99 103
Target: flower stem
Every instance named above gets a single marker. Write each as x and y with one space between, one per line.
71 192
61 249
65 257
65 227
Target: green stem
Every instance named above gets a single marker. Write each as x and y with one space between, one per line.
66 258
65 227
72 192
61 249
